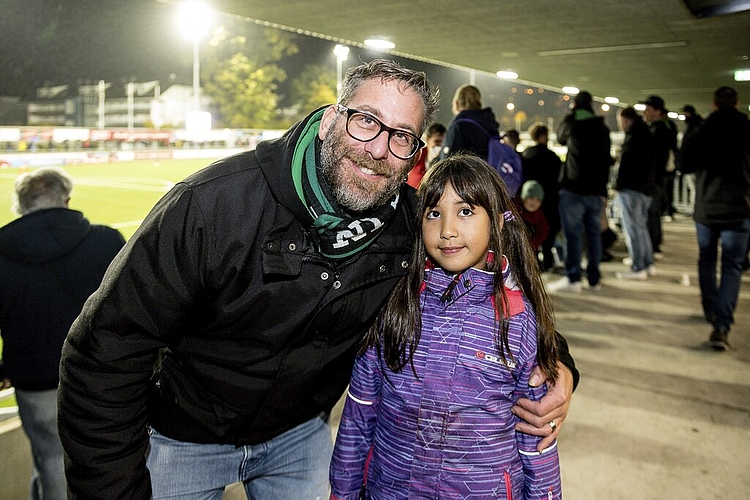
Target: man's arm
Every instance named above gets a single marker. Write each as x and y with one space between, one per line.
538 416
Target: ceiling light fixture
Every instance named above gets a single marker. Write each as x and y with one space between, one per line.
611 100
380 43
571 90
742 75
611 48
507 75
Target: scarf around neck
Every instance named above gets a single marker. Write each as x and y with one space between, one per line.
340 235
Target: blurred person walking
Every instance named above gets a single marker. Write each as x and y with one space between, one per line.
583 188
51 259
719 154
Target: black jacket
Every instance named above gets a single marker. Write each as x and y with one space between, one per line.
51 260
463 136
586 168
636 170
719 154
541 164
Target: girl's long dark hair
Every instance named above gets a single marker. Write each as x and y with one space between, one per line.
397 330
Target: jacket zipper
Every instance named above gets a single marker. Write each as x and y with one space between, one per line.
508 486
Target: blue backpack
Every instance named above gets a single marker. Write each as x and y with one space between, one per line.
502 158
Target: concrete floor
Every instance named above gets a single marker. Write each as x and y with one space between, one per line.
657 415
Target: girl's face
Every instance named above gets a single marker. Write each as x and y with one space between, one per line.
456 235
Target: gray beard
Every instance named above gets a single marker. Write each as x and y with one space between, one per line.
352 192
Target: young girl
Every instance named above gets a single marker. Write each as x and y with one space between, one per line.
428 410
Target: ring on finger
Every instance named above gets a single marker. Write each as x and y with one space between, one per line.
553 425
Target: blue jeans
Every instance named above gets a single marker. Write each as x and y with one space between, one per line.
579 213
634 207
719 302
292 465
38 412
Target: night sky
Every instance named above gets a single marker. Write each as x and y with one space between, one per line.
56 42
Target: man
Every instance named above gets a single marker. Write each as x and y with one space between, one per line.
664 132
51 259
635 185
719 154
583 187
542 164
228 327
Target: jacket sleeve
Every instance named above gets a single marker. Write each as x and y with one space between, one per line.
109 354
354 440
541 470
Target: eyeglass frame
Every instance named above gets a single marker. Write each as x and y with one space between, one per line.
351 111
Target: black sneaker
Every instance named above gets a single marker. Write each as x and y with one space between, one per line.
718 339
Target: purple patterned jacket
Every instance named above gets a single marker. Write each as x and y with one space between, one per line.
449 433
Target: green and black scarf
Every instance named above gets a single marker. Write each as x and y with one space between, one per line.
339 235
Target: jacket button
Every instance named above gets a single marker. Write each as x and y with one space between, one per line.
292 247
382 268
324 275
404 264
336 285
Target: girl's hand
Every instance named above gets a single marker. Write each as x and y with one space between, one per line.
546 416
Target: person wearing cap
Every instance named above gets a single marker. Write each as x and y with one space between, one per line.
664 132
719 154
583 190
529 205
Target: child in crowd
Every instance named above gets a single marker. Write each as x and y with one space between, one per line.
428 413
529 204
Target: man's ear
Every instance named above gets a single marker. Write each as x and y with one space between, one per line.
326 121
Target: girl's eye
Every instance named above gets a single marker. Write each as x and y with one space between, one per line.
432 214
465 212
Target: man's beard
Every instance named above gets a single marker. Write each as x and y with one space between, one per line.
350 190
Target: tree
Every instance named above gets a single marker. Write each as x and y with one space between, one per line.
313 87
242 75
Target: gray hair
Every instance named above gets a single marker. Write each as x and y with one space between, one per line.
388 70
46 187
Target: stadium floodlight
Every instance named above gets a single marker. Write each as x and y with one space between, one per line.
195 19
342 53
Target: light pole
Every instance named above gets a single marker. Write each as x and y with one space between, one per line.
342 53
195 18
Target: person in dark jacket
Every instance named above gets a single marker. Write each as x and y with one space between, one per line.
719 154
635 186
541 164
664 132
226 330
51 259
583 189
462 135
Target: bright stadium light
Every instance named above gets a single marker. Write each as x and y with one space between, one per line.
342 54
195 19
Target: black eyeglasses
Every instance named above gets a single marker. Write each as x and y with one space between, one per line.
364 127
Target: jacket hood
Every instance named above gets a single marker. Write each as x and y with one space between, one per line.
280 151
43 236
